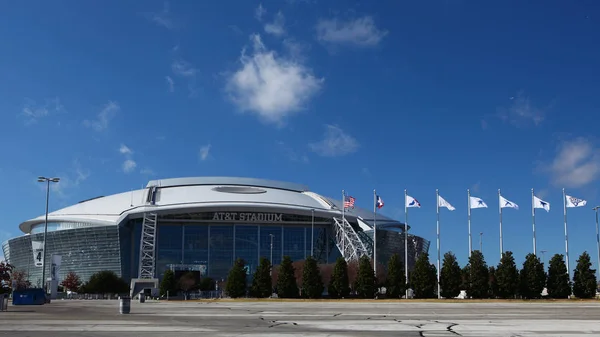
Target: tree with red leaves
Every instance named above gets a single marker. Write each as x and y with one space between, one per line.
21 279
5 277
71 282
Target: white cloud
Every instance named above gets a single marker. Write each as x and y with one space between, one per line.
335 143
104 117
170 83
361 32
164 18
204 152
576 164
521 112
147 172
68 181
129 165
33 112
183 68
277 27
124 149
259 12
271 86
291 154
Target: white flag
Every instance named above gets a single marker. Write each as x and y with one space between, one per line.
539 203
505 203
475 202
575 202
412 202
443 203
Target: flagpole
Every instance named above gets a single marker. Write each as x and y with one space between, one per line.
469 220
343 224
533 221
437 207
375 232
566 235
406 240
500 206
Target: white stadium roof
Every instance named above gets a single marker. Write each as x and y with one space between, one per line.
180 194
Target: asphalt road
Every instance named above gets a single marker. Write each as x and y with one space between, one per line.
270 318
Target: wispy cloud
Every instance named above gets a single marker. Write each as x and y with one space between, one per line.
271 86
32 112
576 164
521 111
147 172
292 154
186 70
163 18
360 32
260 12
277 27
204 152
69 181
170 83
335 143
129 165
124 149
104 117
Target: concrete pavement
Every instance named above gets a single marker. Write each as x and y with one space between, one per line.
100 318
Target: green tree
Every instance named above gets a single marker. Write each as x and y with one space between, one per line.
479 275
423 279
236 280
396 280
493 291
106 282
206 284
558 283
584 278
286 281
168 284
261 283
312 282
507 276
465 274
365 282
450 276
532 277
339 286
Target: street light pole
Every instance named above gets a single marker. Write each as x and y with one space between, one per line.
312 234
597 238
481 242
47 181
271 235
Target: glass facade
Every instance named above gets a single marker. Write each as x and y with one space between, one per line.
194 243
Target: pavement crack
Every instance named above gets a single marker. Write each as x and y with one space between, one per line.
277 324
336 315
449 328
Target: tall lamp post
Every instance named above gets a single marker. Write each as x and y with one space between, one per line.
271 235
47 181
597 238
481 242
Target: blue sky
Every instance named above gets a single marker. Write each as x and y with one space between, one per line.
333 94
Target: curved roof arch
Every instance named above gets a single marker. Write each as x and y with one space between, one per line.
178 194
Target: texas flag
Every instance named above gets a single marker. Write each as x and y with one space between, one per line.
412 202
378 202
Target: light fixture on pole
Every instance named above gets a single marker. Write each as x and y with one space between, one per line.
543 251
597 238
47 181
271 235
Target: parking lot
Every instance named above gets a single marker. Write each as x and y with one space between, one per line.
275 318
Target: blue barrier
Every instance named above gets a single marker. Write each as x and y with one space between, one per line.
33 296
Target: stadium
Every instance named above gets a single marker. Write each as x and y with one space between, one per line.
203 224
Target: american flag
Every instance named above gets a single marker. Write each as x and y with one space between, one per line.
349 202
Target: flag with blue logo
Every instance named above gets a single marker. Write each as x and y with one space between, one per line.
412 202
475 202
539 203
505 203
575 202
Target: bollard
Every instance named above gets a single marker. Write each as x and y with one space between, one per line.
125 305
4 303
142 298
